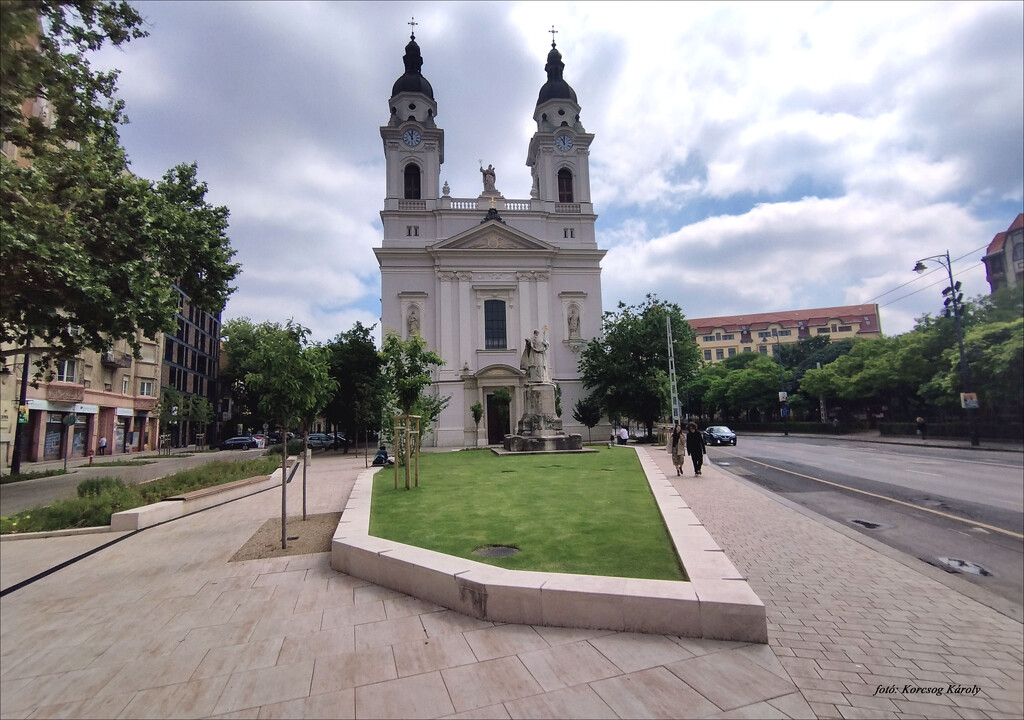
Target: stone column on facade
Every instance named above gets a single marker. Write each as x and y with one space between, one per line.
449 352
544 313
466 340
526 304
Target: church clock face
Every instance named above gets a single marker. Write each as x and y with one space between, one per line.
563 142
411 138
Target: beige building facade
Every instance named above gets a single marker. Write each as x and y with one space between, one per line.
720 338
1004 257
96 395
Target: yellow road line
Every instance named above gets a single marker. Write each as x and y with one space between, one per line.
993 528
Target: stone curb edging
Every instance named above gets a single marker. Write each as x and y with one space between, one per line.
716 603
156 513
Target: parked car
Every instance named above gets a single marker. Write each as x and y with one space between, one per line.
719 435
245 442
320 440
338 440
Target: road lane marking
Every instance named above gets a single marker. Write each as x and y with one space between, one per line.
922 472
993 528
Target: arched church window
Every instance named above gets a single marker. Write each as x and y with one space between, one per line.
494 325
565 186
412 182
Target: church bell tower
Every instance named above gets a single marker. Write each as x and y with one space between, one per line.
559 152
413 144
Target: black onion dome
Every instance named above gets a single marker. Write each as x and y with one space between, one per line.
412 80
555 88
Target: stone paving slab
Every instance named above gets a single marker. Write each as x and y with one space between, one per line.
162 625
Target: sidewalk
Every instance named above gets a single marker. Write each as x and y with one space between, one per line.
162 625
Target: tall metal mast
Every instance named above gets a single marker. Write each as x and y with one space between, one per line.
676 410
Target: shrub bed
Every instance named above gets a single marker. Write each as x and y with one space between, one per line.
99 498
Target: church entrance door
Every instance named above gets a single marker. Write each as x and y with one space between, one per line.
498 424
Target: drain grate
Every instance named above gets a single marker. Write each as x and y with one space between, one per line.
496 551
966 566
867 524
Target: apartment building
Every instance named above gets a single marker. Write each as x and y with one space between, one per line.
724 337
1004 258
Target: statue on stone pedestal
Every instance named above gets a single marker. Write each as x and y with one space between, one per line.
489 178
534 360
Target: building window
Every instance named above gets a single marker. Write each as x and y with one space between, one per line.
727 337
66 370
1018 252
785 333
564 186
124 385
707 355
821 331
412 230
763 349
732 351
845 328
146 388
412 182
719 354
494 325
568 232
747 349
709 338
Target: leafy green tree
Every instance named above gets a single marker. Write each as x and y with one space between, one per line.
405 369
90 252
587 412
286 375
627 368
199 411
355 366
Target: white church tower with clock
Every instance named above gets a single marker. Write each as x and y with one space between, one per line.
475 276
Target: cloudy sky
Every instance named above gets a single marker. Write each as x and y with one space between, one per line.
748 157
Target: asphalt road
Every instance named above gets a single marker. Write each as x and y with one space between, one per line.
956 509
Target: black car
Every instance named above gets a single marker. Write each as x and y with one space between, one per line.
239 443
719 435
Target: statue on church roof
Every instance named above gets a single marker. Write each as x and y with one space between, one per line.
488 179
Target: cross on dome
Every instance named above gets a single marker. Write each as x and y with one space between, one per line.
552 31
412 23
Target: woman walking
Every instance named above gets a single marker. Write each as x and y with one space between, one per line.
695 447
678 449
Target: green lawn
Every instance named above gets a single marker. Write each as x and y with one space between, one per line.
588 514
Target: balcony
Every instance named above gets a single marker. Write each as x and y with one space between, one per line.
65 392
113 359
145 404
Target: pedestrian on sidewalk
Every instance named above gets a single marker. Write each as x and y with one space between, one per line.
678 448
695 447
623 435
922 428
103 445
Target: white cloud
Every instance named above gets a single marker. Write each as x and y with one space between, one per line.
747 156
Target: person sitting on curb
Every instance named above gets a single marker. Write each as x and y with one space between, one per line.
382 457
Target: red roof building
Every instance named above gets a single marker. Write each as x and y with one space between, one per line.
722 337
1004 259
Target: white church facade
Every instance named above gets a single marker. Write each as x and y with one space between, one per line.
476 276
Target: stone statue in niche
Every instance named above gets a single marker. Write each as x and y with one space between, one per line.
574 322
413 320
534 360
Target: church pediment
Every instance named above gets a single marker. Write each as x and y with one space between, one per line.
492 236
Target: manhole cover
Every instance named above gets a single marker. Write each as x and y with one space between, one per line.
965 566
496 551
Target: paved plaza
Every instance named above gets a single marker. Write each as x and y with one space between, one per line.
161 624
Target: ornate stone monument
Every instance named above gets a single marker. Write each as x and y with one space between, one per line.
539 429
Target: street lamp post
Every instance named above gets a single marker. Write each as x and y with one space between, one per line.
783 408
954 304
